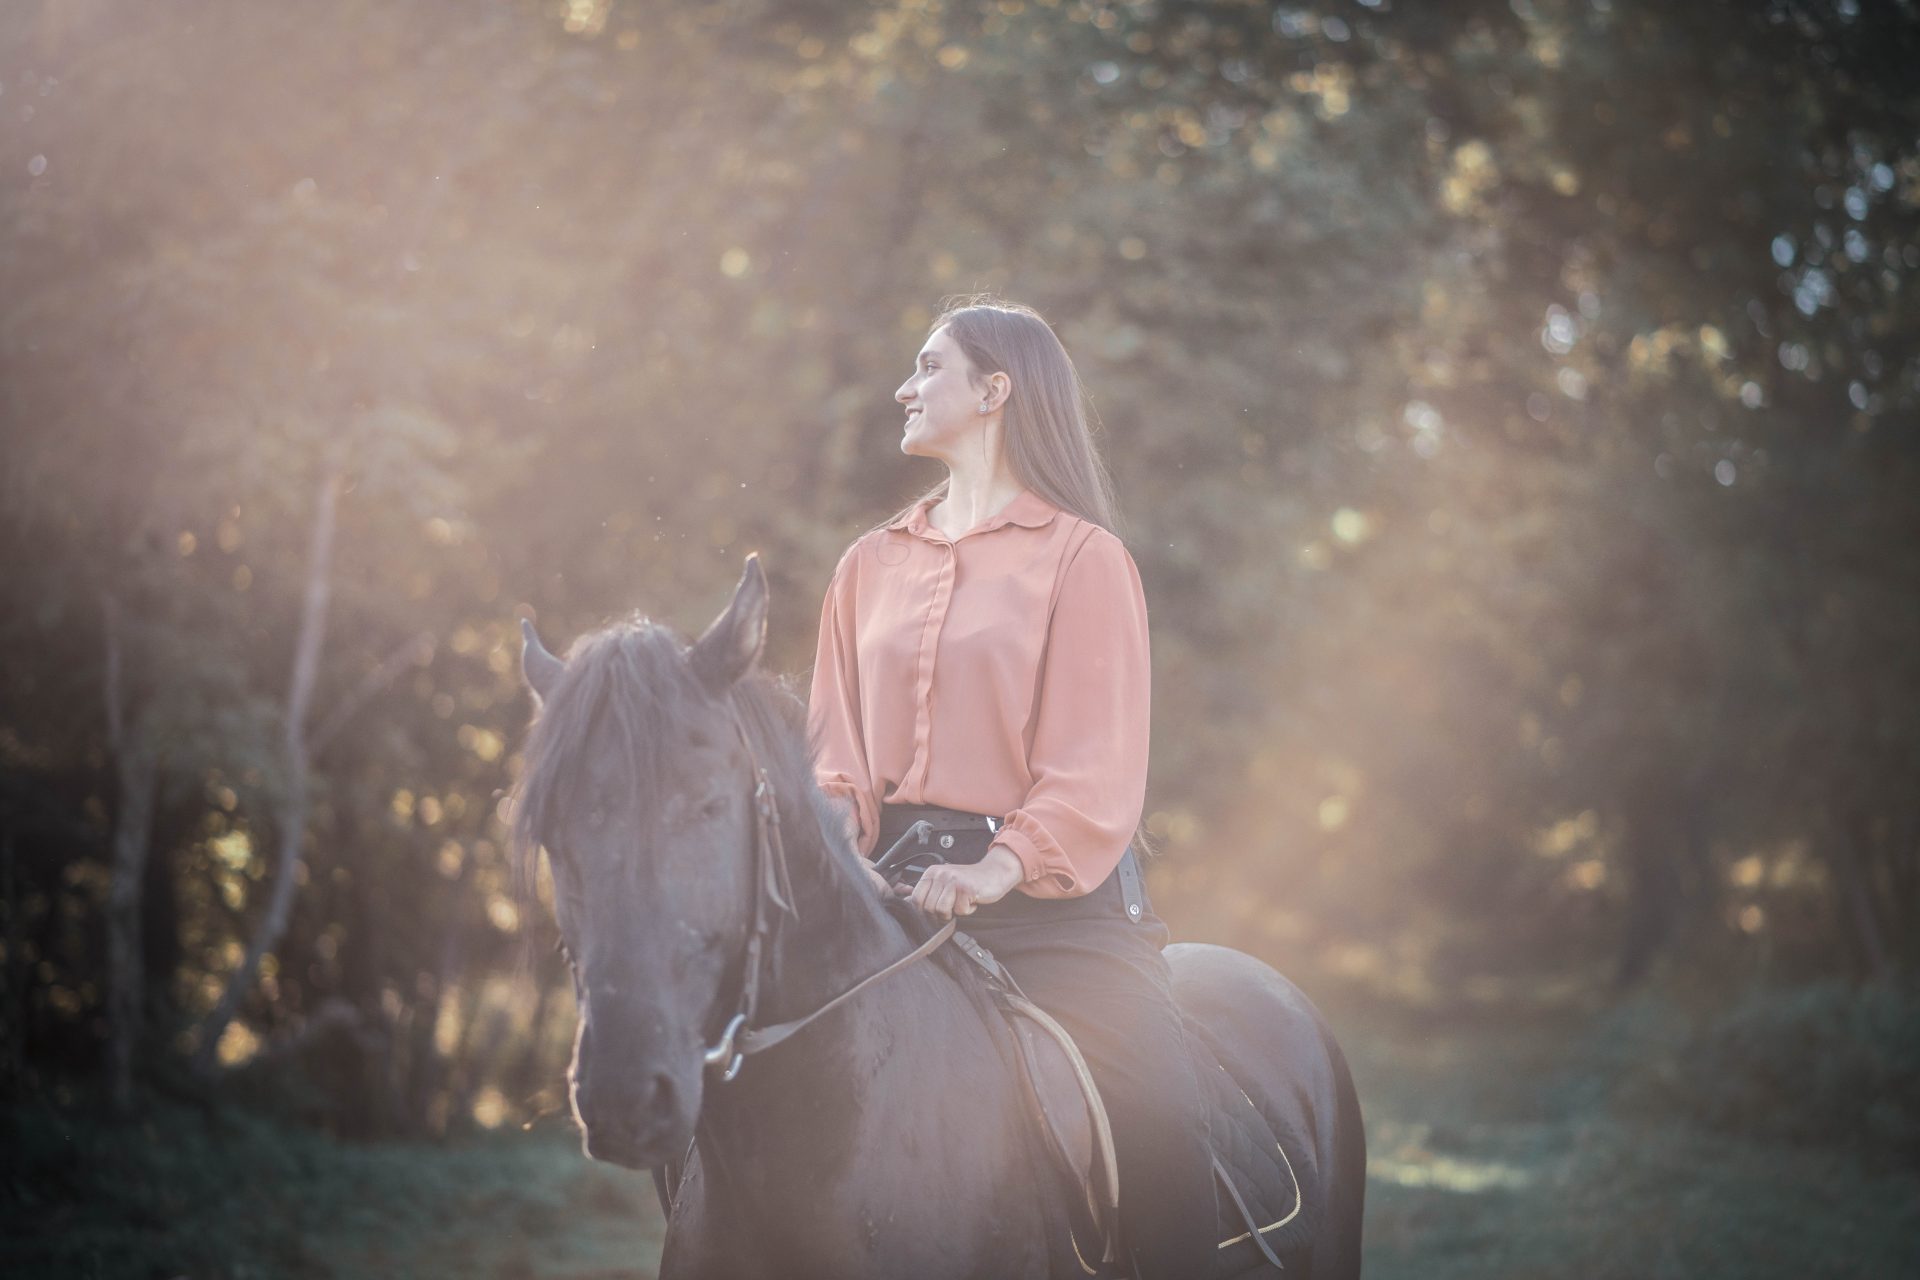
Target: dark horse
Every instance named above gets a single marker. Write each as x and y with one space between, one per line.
885 1139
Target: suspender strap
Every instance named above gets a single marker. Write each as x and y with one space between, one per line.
1130 889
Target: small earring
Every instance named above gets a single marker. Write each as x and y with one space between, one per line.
983 408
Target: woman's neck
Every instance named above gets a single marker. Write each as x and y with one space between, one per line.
973 496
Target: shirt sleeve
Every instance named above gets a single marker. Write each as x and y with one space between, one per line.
833 713
1089 754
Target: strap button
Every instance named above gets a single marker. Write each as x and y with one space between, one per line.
1133 909
946 841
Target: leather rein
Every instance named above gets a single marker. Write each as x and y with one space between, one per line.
772 889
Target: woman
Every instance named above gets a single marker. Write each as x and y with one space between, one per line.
983 663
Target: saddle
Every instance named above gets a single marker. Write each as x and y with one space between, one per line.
1064 1108
1264 1167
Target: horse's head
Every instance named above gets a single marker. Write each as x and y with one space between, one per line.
640 789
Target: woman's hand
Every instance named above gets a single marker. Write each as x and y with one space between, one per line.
947 890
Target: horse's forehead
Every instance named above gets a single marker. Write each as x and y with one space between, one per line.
672 757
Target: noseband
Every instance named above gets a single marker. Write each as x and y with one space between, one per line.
772 889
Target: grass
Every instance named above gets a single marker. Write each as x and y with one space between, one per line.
238 1197
1496 1153
1500 1148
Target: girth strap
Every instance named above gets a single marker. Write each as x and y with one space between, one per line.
1246 1214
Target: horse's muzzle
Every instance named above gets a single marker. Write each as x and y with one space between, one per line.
642 1124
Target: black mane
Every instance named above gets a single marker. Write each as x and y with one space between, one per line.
633 674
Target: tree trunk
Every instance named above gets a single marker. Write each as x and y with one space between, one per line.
291 814
126 975
137 769
15 972
1850 839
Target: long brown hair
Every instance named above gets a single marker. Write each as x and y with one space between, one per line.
1049 427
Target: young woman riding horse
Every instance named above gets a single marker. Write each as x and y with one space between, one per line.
983 671
983 665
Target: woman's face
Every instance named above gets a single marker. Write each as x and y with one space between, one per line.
942 404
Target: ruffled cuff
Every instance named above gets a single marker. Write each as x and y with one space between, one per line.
1046 871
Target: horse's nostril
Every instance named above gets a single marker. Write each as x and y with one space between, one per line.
648 1106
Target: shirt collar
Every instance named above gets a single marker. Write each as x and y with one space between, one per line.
1028 510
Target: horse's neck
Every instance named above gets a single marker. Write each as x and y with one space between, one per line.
839 933
798 1093
831 1132
891 1114
892 1109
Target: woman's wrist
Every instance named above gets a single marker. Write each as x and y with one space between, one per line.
1006 864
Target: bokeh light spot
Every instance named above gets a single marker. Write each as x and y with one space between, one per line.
1350 526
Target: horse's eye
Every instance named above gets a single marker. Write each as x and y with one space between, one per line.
684 812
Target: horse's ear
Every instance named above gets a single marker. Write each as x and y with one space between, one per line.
728 649
541 668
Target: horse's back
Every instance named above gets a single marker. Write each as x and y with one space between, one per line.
1279 1049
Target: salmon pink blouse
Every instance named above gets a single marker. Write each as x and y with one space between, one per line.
1004 671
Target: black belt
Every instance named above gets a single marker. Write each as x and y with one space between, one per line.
955 835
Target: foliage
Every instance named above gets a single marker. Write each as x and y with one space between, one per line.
1489 1156
1513 407
1824 1065
225 1194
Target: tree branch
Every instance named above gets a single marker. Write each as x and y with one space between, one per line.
414 649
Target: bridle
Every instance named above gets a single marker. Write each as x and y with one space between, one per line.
772 889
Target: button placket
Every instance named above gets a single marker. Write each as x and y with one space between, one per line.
913 786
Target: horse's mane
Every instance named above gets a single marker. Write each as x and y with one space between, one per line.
631 674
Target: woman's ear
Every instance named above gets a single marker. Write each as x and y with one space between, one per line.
994 393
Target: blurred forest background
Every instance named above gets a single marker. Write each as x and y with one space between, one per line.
1515 407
